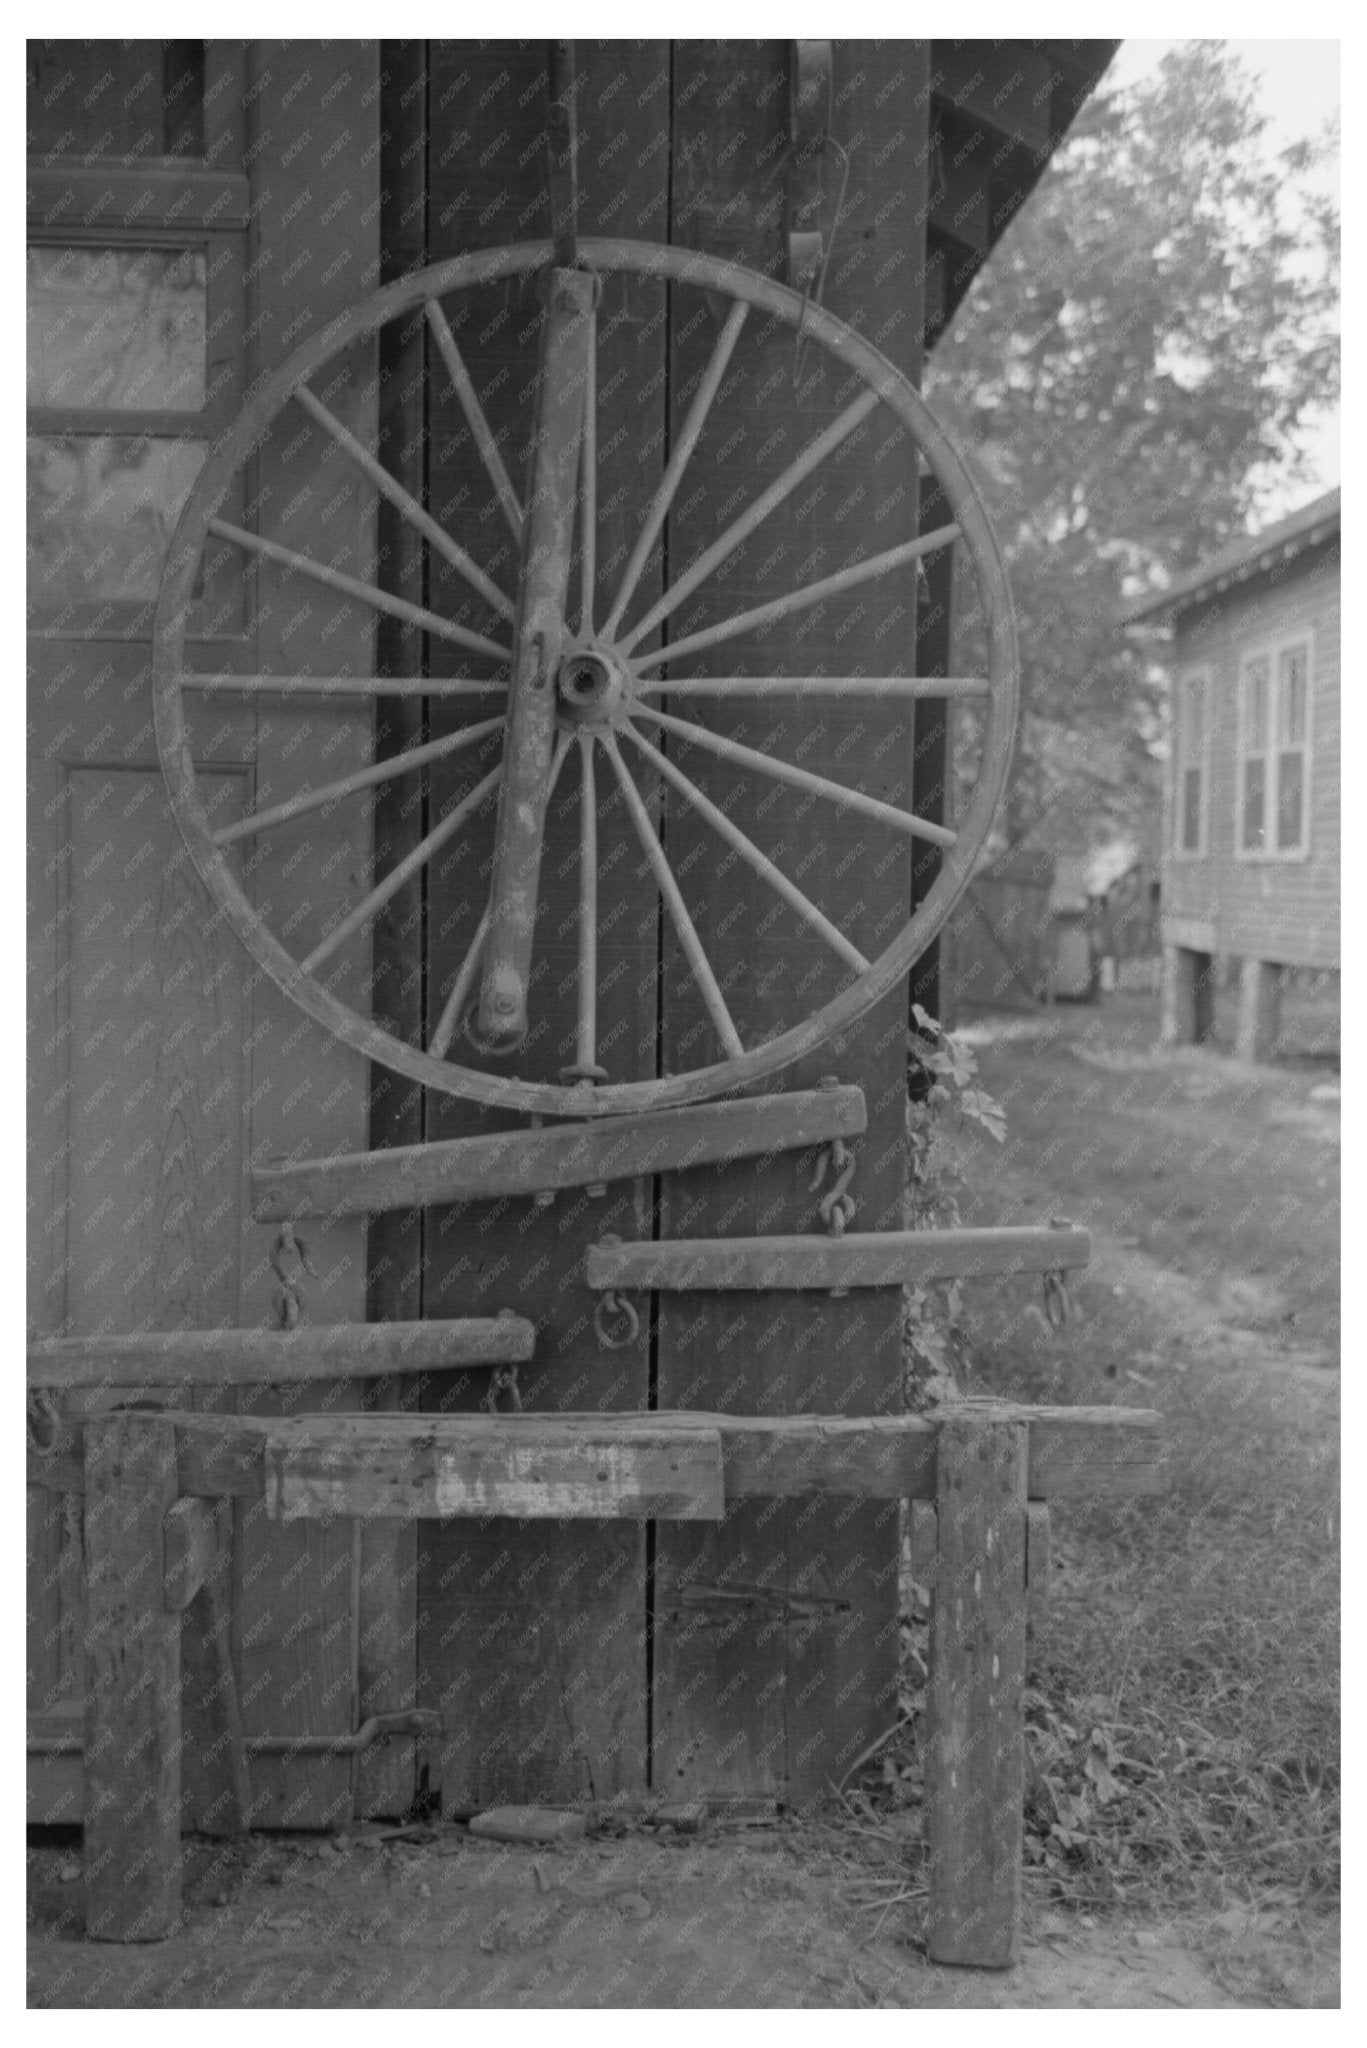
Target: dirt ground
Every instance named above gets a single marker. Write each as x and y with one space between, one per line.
781 1915
1193 1302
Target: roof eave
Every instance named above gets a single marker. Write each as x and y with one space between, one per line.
1166 604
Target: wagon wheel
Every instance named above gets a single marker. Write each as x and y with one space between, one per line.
566 682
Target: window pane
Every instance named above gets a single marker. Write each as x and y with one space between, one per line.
1255 705
107 97
1292 666
1191 811
122 329
1290 799
1192 727
101 512
1254 784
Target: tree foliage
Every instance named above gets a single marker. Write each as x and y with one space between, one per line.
1140 354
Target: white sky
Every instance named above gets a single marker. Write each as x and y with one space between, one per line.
1297 86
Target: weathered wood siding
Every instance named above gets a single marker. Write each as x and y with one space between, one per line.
1284 909
160 1062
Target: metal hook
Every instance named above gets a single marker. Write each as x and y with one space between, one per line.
614 1304
503 1380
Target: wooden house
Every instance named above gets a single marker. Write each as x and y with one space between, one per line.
198 211
1251 833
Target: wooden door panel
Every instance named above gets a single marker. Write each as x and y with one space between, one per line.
534 1644
776 1644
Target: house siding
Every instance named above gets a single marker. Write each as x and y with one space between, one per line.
1284 909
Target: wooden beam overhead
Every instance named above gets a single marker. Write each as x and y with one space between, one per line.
1005 88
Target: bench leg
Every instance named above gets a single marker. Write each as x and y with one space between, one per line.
132 1698
975 1760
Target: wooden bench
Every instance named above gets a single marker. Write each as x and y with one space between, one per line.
154 1482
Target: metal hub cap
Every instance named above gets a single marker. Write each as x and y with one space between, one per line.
594 686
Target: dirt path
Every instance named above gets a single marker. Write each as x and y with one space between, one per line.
773 1917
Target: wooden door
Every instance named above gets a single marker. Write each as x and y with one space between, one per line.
533 1637
591 1659
163 282
776 1630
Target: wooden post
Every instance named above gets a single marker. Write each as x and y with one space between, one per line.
132 1696
975 1760
1188 996
1260 1002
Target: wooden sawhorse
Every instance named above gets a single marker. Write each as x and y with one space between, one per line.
154 1480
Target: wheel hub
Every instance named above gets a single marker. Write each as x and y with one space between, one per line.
593 687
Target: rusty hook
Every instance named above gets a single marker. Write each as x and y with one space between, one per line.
614 1304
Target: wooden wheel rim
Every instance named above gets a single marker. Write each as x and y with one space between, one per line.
680 266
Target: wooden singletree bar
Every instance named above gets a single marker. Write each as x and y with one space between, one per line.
975 1761
859 1259
219 1358
132 1685
558 1156
1074 1453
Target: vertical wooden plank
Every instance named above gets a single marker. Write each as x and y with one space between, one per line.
386 1774
153 1092
54 1579
313 120
211 1714
132 1701
975 1757
532 1642
771 1709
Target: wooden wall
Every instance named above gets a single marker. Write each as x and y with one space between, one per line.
160 1061
1286 909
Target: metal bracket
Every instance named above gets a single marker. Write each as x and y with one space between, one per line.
810 66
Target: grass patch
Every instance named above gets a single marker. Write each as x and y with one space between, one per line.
1182 1712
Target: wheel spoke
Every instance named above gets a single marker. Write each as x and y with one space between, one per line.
801 778
474 413
678 462
462 988
363 778
364 593
678 909
750 853
342 686
740 530
588 490
799 600
366 909
586 1036
392 489
910 687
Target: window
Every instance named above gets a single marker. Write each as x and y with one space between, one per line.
136 266
1274 751
1191 766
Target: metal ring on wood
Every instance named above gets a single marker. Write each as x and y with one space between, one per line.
614 1304
44 1423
